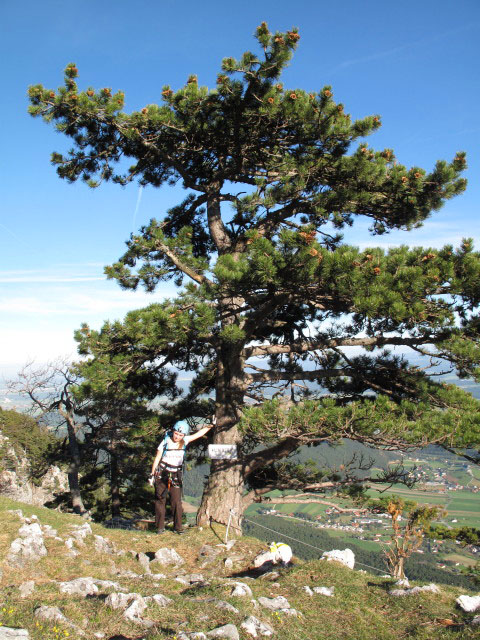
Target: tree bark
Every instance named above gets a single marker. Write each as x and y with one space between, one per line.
114 483
222 497
73 470
399 570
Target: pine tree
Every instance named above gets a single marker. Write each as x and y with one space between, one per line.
269 296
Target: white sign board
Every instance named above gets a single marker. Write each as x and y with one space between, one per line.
222 451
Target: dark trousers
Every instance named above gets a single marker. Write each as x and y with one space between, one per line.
161 492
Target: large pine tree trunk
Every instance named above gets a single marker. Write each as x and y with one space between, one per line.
222 497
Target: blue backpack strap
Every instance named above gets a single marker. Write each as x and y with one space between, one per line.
164 442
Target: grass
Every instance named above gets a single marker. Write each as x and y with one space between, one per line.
361 609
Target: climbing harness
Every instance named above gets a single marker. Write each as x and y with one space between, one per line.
276 545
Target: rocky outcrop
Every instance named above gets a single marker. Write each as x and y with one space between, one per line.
15 477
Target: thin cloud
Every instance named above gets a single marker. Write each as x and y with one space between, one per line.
409 45
49 279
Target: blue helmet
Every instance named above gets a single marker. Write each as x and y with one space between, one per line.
182 426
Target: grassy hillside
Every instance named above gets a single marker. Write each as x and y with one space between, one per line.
361 608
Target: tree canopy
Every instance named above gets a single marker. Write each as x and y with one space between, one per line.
270 298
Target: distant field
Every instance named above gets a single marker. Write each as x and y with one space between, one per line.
461 559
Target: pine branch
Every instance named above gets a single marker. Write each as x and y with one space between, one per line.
303 347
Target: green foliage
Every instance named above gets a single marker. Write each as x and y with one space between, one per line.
28 439
273 297
465 535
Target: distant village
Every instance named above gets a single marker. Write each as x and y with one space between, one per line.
441 478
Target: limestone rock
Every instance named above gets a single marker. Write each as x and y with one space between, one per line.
9 633
403 583
308 591
166 556
345 557
274 604
53 614
221 604
102 545
263 559
476 620
432 588
17 484
26 588
207 550
240 589
468 603
195 635
129 574
227 631
135 609
108 584
324 591
144 561
121 600
79 586
81 531
28 548
255 627
49 532
161 600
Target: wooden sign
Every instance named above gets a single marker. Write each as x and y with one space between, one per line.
222 451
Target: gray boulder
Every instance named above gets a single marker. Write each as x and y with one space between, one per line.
274 604
256 627
429 588
167 557
28 548
468 603
264 559
144 561
102 545
26 588
221 604
345 557
324 591
8 633
80 587
121 600
161 600
227 631
53 614
240 589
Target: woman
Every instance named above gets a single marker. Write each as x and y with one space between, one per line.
167 472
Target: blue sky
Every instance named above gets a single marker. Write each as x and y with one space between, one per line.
414 63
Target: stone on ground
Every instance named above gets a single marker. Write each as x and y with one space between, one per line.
255 627
468 603
227 631
345 557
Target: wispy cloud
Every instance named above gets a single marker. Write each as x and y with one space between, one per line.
48 279
65 302
403 47
57 273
